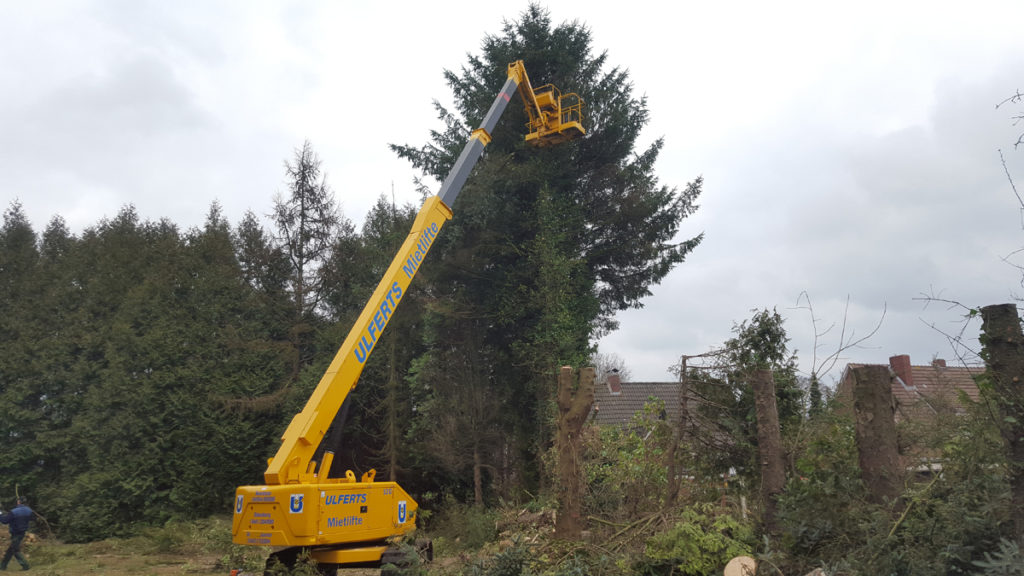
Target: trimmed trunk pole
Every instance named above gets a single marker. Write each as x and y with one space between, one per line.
875 430
769 445
574 403
1003 350
478 477
677 440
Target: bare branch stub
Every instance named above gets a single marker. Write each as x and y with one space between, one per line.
956 340
930 297
846 342
1010 178
1017 98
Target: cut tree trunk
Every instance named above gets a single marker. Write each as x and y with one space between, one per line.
769 446
678 437
394 434
1003 349
478 477
875 429
574 403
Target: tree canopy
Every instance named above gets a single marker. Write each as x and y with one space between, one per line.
546 244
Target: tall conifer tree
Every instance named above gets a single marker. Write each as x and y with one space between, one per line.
555 240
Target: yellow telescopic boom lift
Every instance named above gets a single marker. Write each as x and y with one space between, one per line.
347 521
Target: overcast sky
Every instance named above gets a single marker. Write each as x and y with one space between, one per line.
849 153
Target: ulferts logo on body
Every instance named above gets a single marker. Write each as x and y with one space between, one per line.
295 504
387 306
334 499
380 319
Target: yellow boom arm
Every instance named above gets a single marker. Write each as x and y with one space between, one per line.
549 123
347 521
291 464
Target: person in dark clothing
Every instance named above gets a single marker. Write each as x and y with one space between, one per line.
17 520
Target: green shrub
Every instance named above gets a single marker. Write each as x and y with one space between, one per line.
409 563
1007 561
942 524
513 561
625 468
582 564
463 526
172 537
700 542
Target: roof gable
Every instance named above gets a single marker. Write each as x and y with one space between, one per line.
925 391
618 409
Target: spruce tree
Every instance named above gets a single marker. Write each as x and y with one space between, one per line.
548 241
307 221
21 387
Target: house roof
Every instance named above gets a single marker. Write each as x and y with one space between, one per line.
619 409
928 391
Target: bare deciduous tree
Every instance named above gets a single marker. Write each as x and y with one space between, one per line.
848 340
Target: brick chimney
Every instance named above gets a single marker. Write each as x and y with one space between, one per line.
901 366
939 363
614 384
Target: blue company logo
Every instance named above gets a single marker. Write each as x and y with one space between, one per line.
426 239
332 499
295 505
401 511
238 503
378 322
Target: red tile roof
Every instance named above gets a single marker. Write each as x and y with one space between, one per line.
931 390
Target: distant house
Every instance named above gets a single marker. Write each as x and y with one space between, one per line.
921 393
615 402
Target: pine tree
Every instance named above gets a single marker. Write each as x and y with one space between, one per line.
307 226
307 221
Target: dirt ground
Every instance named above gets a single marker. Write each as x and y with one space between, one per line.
50 557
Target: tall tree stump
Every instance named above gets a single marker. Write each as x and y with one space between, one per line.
769 445
1003 350
678 437
574 403
875 430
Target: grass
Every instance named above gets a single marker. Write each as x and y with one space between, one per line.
201 548
204 548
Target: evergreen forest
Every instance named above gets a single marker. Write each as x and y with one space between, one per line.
146 370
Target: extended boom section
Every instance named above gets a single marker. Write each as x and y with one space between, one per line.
293 462
345 521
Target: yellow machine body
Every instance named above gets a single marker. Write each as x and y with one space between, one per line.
324 515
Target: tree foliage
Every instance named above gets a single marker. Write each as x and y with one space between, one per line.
725 394
135 348
307 222
145 370
546 245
